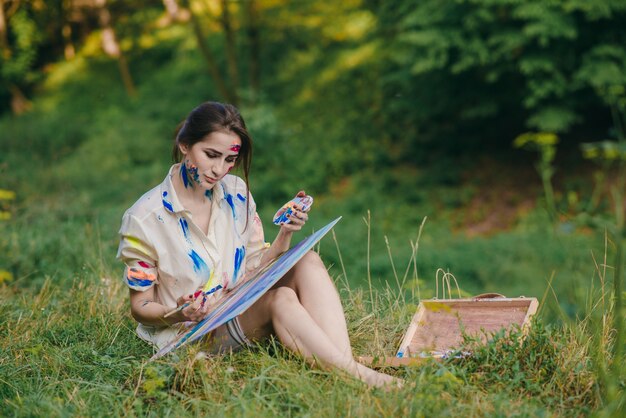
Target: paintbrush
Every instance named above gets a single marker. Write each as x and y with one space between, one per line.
195 296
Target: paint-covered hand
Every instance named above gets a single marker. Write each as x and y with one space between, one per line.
194 307
296 212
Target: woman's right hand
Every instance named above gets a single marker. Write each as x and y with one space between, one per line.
196 311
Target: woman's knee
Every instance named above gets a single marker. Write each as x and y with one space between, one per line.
282 299
312 259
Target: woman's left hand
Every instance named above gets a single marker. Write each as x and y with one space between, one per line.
297 217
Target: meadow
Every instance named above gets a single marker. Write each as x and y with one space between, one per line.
86 152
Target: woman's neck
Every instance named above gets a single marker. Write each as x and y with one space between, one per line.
188 193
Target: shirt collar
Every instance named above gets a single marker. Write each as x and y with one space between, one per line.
169 197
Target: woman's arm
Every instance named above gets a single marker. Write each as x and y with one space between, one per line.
147 311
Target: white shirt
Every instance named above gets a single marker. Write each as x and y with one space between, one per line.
163 248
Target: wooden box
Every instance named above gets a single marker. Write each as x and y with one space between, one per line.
438 325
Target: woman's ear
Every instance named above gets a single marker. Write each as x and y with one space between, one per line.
183 148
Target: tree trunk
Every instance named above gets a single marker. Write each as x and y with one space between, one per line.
19 103
254 43
220 84
175 13
68 50
112 47
4 40
231 50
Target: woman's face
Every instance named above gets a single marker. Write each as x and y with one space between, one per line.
207 161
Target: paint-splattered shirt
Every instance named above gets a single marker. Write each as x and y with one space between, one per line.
164 249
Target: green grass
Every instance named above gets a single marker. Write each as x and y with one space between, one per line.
73 351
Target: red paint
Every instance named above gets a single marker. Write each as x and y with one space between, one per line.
235 148
144 265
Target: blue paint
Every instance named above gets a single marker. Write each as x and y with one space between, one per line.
240 253
283 218
185 227
209 194
199 266
231 203
240 197
184 175
167 204
213 290
138 282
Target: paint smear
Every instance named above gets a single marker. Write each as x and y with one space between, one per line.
139 278
185 227
235 147
231 203
184 176
144 265
208 194
240 253
241 197
167 204
199 266
193 171
137 244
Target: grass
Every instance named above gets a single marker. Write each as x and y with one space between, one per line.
73 351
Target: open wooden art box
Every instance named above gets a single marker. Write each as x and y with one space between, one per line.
437 327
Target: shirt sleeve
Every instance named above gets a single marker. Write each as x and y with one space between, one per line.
137 253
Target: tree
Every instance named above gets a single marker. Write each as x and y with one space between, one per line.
18 50
112 48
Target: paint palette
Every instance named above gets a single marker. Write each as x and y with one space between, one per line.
287 209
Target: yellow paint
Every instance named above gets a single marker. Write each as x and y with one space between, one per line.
137 244
211 283
437 306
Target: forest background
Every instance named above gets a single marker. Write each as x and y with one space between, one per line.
479 138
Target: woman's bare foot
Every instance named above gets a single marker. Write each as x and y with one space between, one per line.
378 379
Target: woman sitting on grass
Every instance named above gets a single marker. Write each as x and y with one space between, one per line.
199 229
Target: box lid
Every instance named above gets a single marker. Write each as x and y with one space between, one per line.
438 326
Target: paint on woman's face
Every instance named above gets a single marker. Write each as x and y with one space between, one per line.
209 160
189 174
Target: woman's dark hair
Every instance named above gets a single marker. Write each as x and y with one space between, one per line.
212 117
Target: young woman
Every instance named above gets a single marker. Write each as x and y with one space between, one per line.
199 229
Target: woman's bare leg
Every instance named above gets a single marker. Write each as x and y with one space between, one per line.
280 312
318 295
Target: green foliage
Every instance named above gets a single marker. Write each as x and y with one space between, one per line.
502 63
18 67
